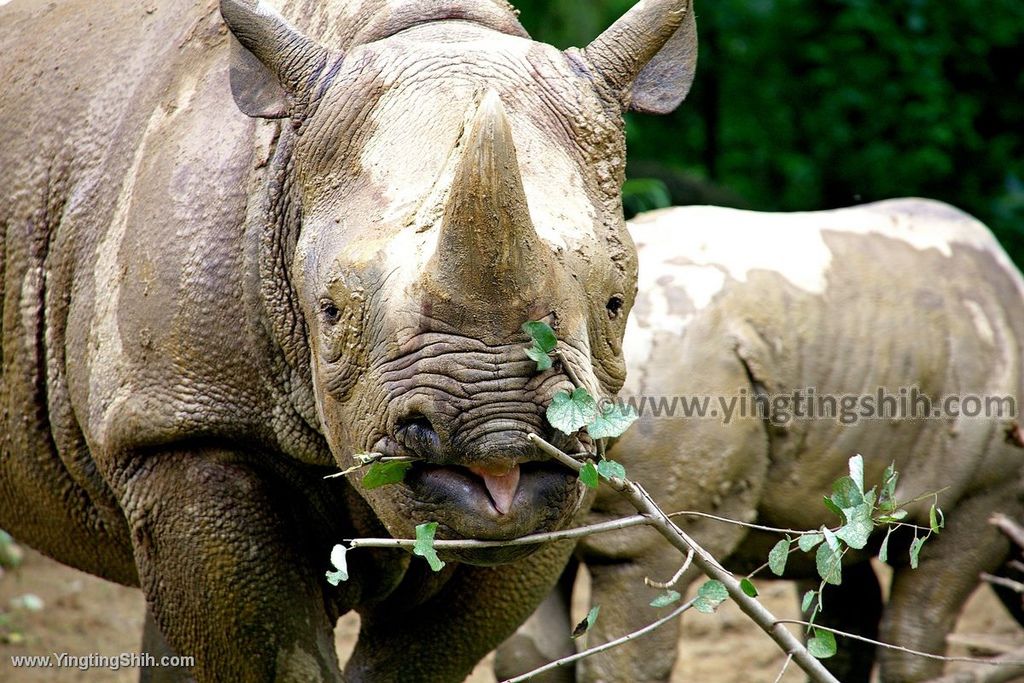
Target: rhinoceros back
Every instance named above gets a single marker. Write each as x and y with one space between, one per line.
898 294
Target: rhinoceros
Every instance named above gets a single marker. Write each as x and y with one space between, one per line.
234 260
902 294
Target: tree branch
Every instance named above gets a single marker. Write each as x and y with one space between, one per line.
1012 530
675 577
1016 586
575 532
602 647
644 504
918 653
997 670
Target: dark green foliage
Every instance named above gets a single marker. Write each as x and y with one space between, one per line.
384 473
802 104
588 475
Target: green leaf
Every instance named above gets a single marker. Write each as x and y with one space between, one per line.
340 563
835 509
830 538
857 471
713 590
704 606
777 557
710 595
936 520
424 546
829 564
587 623
822 645
569 412
894 516
883 550
858 527
540 356
613 422
588 475
915 551
542 335
806 542
805 604
384 473
748 587
887 498
609 469
846 494
666 599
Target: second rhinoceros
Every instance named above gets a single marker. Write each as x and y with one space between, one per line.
909 297
204 314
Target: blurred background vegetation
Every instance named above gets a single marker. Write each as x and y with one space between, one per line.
816 104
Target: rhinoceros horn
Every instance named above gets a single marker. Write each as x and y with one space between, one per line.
649 55
488 250
278 64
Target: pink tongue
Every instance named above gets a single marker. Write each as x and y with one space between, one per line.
502 487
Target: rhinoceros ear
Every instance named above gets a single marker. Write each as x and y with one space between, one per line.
272 64
649 55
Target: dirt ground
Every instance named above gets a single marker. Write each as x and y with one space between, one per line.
81 614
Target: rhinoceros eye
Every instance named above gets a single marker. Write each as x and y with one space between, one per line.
329 312
614 306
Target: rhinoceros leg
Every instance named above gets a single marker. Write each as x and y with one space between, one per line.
925 603
854 606
221 568
544 637
619 589
442 639
155 645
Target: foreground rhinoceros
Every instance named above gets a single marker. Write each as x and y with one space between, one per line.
204 314
734 304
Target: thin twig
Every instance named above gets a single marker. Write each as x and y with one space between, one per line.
644 504
564 661
997 670
575 532
785 665
1008 527
980 644
675 577
772 529
573 377
1016 564
890 646
378 457
748 525
1016 586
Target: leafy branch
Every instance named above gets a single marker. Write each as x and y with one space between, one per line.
860 512
382 469
757 612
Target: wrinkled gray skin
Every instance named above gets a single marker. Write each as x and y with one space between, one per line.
205 313
896 294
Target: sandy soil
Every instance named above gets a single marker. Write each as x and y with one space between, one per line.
83 614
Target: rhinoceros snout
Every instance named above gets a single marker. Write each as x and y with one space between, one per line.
485 472
488 442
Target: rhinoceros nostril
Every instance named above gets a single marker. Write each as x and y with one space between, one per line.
418 435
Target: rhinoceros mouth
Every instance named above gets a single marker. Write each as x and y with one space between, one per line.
530 497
